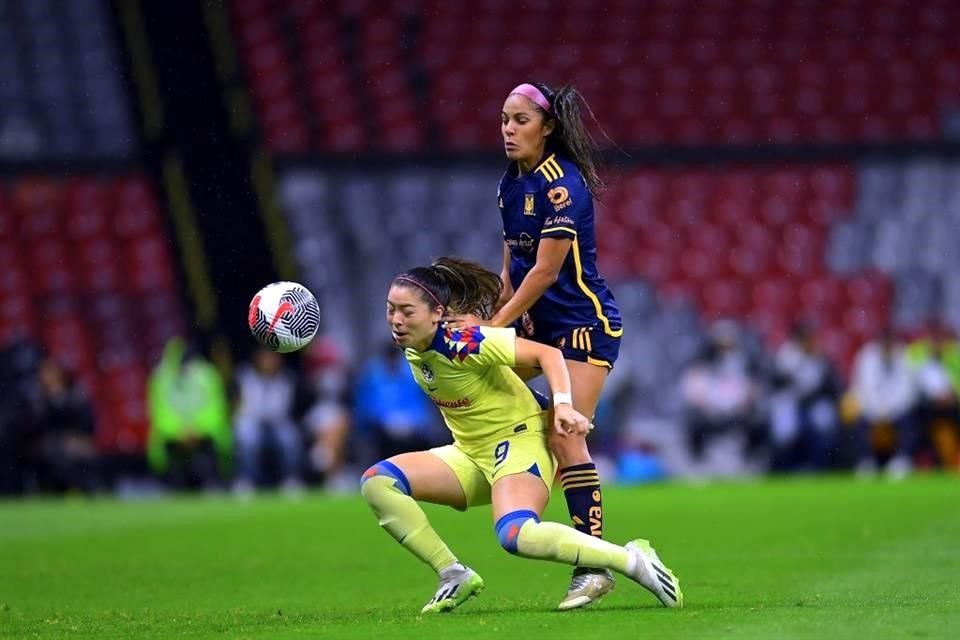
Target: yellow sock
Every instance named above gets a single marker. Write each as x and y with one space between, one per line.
402 518
560 543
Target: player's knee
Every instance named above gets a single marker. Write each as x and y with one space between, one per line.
508 527
384 474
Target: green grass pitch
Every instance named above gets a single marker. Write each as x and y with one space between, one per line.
808 558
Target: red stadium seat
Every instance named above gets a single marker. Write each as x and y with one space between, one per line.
70 249
17 316
98 268
135 211
763 73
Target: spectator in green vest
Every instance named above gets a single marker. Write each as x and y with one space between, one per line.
190 438
938 347
935 360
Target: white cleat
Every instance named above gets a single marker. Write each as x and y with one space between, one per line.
457 585
587 586
653 575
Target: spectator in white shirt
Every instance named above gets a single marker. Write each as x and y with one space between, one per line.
885 391
263 420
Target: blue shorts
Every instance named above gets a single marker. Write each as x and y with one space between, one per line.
588 344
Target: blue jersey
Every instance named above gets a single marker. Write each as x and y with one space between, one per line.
553 201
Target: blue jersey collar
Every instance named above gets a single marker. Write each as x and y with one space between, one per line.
513 170
438 343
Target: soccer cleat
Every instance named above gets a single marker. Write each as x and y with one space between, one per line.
456 587
587 585
650 572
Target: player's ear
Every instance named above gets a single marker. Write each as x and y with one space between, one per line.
548 126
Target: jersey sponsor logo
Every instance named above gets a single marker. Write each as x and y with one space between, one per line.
463 343
452 404
559 197
528 205
559 221
426 372
524 242
596 520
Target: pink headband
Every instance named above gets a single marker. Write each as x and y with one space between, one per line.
534 95
422 286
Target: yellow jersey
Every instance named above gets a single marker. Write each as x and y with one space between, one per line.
467 374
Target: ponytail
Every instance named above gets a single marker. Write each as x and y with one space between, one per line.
570 137
460 286
473 289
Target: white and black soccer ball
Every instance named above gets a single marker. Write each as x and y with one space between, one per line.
284 316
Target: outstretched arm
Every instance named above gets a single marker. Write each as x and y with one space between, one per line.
550 258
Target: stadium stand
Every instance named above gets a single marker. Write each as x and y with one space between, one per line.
88 274
746 244
88 265
61 94
683 72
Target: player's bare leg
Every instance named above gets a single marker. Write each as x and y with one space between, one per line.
581 485
392 488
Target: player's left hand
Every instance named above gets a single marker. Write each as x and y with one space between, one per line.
462 320
567 421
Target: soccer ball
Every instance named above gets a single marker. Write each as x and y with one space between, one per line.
284 316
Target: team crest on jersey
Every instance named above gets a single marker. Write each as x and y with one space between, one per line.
426 372
528 204
559 197
462 342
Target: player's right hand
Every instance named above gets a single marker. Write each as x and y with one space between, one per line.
568 421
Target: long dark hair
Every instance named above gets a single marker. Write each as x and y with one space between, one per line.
460 286
570 137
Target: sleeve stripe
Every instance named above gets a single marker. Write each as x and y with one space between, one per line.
552 229
550 169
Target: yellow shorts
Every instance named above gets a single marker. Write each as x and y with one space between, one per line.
478 466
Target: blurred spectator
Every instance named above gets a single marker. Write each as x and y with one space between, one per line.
936 363
883 389
328 419
389 405
803 405
189 442
60 450
264 422
721 391
19 390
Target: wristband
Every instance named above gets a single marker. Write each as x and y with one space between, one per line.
562 398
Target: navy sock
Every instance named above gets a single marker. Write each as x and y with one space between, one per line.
581 487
